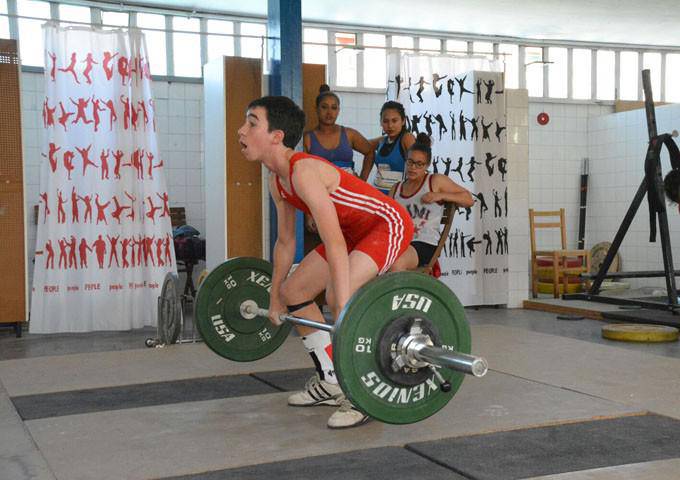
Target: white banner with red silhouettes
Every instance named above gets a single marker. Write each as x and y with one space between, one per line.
460 103
104 241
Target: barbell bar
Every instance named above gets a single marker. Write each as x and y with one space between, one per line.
416 348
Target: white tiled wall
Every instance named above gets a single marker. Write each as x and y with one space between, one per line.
180 141
618 146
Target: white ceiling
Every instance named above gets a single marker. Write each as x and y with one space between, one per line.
652 22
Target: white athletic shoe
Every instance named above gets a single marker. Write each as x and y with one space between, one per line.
316 392
347 416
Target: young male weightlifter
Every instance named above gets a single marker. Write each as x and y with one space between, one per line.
362 231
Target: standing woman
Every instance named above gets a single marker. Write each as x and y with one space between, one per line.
390 149
334 142
422 194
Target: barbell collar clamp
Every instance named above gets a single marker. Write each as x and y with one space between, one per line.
461 362
249 310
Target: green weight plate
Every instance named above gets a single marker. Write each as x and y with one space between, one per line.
371 313
169 310
218 316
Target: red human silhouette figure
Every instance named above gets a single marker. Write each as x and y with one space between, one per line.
48 114
134 117
137 157
104 157
81 105
133 247
108 70
126 111
145 114
146 68
63 118
140 249
159 252
74 206
148 250
49 261
168 253
71 68
61 213
123 68
85 155
83 248
63 257
123 251
114 252
101 210
87 199
151 213
99 246
72 259
112 113
159 164
96 108
88 68
53 68
149 169
51 156
118 155
46 210
165 198
118 209
68 162
131 215
133 68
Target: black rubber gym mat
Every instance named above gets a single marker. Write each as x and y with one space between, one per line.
286 380
31 407
644 315
391 463
556 449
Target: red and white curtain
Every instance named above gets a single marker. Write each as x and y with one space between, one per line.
104 241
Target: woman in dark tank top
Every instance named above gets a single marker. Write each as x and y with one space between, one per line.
331 141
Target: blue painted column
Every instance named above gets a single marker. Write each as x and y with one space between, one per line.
284 60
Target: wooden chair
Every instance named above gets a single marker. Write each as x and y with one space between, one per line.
564 262
447 220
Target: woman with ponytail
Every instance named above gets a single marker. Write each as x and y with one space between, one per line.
331 141
390 149
423 194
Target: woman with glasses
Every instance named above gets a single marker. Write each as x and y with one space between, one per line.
390 149
423 195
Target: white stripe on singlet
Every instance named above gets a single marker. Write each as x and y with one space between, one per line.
382 209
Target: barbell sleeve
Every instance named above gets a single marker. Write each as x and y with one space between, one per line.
461 362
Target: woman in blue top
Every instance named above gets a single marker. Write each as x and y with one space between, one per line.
390 149
334 142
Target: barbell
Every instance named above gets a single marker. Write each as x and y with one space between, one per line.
400 345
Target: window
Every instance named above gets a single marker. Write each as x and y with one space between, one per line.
534 70
652 61
30 48
605 75
253 47
673 77
511 58
186 47
346 59
581 74
4 21
220 45
375 61
405 44
74 14
115 19
628 78
483 48
430 44
155 41
557 72
457 46
315 53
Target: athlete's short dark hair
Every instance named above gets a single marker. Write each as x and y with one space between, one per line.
283 114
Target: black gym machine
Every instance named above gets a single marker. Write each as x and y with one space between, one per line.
652 186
